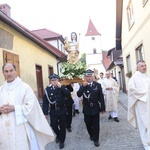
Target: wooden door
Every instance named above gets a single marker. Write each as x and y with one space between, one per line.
39 80
50 70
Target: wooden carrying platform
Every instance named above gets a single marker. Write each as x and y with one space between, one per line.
68 81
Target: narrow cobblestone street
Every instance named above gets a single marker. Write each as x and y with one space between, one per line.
113 135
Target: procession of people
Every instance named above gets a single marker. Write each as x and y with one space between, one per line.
93 103
18 108
25 125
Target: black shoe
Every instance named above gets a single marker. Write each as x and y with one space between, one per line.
61 145
116 119
91 138
109 117
69 129
77 111
96 144
57 139
74 113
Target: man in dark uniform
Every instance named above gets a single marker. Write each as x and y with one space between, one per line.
55 98
69 105
93 104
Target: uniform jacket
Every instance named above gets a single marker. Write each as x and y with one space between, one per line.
68 100
92 96
57 95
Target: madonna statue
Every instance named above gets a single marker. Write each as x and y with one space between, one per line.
72 47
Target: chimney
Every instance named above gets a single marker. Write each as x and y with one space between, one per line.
5 8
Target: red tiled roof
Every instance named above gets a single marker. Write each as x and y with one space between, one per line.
91 29
45 33
106 59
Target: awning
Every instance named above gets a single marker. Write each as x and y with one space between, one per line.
117 62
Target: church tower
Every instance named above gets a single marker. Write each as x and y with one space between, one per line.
93 48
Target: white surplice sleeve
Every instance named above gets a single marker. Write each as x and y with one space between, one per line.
20 118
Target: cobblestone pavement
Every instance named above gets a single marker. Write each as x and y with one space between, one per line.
113 135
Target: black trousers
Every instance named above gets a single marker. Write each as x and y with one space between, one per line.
92 125
59 127
68 116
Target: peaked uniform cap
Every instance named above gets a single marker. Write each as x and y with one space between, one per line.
89 72
54 76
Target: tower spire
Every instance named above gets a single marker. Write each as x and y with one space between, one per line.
91 29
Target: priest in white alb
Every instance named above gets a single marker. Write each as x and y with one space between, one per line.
111 90
23 125
139 103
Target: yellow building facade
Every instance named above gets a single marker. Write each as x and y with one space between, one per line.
35 58
135 34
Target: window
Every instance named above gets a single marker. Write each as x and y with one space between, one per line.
94 51
6 39
12 58
111 56
130 14
129 68
62 48
93 38
139 53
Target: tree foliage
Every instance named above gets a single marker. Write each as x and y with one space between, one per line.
83 59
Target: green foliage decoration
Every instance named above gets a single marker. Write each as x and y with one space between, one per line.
129 74
70 71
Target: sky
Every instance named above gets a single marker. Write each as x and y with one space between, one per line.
66 16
